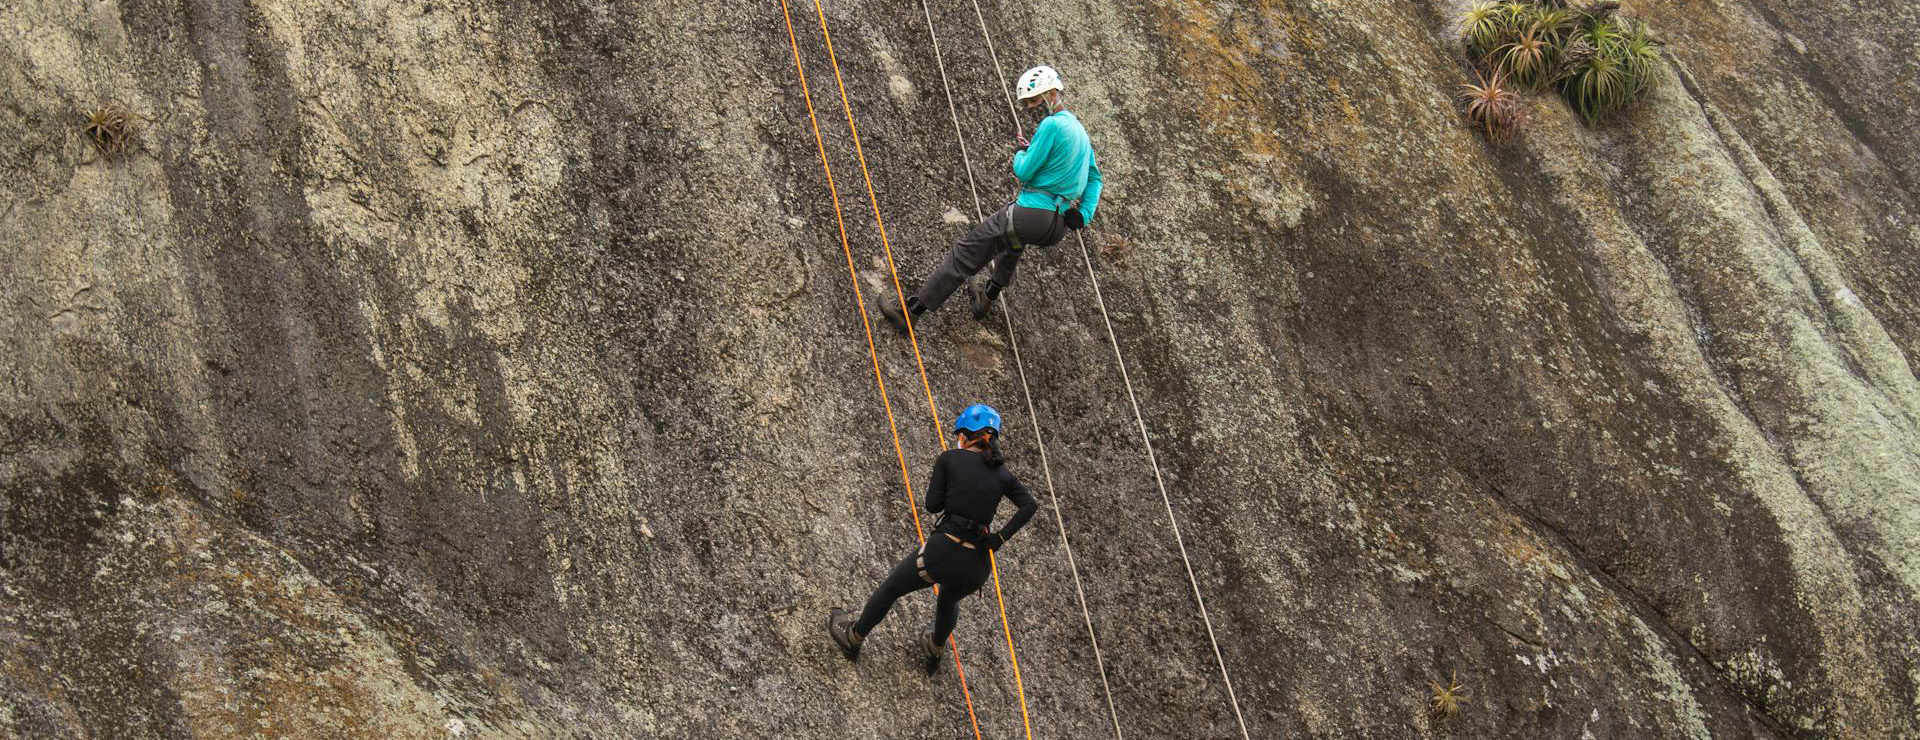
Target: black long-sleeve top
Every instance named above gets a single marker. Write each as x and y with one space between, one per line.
964 484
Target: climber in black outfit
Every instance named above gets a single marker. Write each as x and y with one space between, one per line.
968 483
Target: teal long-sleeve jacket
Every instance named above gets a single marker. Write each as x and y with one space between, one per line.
1058 167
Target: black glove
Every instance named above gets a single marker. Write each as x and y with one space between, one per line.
1075 221
992 541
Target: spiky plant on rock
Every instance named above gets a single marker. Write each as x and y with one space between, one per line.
1447 697
1640 54
1527 58
110 130
1623 63
1554 24
1482 26
1494 107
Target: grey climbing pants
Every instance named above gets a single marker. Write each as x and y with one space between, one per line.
1000 237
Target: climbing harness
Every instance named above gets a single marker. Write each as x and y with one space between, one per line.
920 564
968 531
1012 234
1060 202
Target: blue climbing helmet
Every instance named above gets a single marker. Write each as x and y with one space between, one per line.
977 417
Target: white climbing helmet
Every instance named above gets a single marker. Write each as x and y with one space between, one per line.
1038 80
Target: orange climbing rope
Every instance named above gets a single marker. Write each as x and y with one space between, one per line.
866 323
914 339
940 439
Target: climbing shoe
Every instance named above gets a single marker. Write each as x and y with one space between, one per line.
930 653
840 627
982 293
891 310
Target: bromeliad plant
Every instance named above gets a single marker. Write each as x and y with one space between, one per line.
1519 39
1447 697
110 129
1597 61
1527 58
1493 107
1484 26
1607 61
1621 65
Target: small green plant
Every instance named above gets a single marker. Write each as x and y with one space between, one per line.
1553 23
1641 54
1483 26
1596 88
1493 107
1490 26
1621 65
1446 699
1525 59
110 129
1521 39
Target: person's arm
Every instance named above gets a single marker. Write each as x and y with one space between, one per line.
1090 198
1021 498
1027 162
937 487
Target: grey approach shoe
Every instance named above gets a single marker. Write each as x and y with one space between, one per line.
982 298
930 653
891 310
840 628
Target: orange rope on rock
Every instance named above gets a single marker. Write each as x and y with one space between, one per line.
914 339
872 352
940 438
853 277
1012 657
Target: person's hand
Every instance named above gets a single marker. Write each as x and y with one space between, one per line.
1023 141
992 541
1074 220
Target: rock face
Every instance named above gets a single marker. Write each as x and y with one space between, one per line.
492 368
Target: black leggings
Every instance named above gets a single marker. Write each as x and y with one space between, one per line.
958 570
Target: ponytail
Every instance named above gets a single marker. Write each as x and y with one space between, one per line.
992 452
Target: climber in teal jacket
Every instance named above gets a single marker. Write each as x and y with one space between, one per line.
1059 190
1058 168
